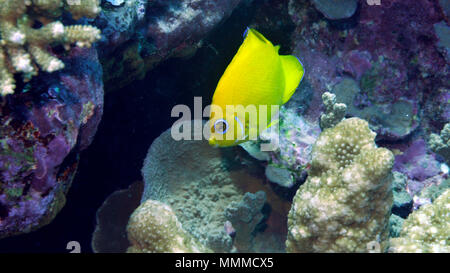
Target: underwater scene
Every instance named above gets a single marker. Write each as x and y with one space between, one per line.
224 126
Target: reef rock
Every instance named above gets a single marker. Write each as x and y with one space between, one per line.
43 130
209 181
391 51
140 34
336 9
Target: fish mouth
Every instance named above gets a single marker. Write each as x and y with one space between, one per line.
212 142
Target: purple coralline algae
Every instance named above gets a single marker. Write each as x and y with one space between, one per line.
416 162
58 116
389 50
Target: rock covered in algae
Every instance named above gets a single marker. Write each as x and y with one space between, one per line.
345 204
393 102
154 228
42 134
23 47
426 229
140 34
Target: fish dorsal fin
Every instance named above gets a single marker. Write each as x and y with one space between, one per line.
251 33
293 74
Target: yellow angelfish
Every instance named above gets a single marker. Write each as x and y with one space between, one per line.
256 79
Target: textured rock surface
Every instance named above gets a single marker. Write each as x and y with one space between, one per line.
245 216
136 42
390 51
110 234
427 229
336 9
345 204
43 130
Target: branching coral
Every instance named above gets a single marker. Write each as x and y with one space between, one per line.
24 45
440 144
345 204
154 228
427 229
334 112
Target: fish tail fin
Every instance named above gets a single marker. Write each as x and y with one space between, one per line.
293 73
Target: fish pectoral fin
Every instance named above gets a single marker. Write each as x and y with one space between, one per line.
293 73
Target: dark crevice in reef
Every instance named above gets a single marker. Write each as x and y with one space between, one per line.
133 118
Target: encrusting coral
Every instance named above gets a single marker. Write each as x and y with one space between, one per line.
24 42
345 204
154 228
426 229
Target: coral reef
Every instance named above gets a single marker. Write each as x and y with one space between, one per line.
427 229
391 54
345 203
199 193
140 34
440 143
334 112
245 216
42 134
398 121
154 228
22 45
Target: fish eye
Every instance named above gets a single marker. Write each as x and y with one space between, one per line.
221 126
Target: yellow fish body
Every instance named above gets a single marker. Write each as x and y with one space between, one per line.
257 78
